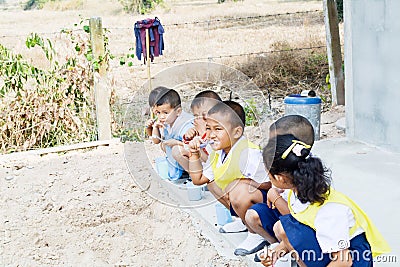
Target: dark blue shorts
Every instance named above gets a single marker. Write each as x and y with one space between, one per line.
267 216
304 241
263 192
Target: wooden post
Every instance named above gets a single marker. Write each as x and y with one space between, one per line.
334 52
102 93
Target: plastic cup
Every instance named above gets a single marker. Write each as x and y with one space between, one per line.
223 214
194 192
162 167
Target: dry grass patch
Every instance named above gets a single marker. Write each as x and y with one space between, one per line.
64 5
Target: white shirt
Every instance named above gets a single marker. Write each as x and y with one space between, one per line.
251 164
332 224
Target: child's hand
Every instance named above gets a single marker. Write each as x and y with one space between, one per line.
272 195
191 133
173 142
150 123
268 257
158 124
194 145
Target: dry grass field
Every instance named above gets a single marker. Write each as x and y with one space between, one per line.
208 38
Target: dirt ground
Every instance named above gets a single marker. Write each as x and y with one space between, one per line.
83 208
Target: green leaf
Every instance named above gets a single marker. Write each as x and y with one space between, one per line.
86 28
89 56
122 61
96 65
130 64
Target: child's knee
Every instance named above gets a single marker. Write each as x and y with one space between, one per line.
236 195
252 217
278 230
176 152
244 193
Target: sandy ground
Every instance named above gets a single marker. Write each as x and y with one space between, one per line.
83 208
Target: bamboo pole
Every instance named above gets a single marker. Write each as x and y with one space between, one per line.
148 57
148 65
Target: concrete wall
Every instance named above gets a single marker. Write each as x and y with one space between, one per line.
372 71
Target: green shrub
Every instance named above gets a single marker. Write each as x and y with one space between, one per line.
48 107
289 71
139 6
32 4
252 113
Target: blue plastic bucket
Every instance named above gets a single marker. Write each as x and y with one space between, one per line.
308 107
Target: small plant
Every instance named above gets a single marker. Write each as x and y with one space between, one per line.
31 4
127 59
139 6
252 113
132 134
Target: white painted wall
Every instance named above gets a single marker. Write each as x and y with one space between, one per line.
372 71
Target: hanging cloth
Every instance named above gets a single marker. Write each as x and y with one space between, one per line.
156 32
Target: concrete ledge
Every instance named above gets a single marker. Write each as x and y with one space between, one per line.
368 175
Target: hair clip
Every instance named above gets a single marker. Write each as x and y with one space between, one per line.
296 147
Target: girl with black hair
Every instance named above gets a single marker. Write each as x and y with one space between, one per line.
324 227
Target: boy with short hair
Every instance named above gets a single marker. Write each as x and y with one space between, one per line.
154 96
173 122
293 124
236 166
200 105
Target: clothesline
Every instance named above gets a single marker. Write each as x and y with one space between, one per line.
185 23
214 57
225 19
242 18
42 33
229 56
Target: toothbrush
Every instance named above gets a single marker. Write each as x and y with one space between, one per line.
203 145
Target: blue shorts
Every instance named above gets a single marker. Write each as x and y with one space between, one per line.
303 239
267 216
263 192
